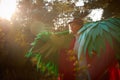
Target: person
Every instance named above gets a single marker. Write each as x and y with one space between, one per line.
89 67
82 73
101 67
73 70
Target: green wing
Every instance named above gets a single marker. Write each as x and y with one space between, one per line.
46 47
94 35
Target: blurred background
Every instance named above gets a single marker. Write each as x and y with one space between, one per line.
21 20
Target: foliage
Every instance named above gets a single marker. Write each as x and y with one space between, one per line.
93 36
44 11
45 50
30 10
111 7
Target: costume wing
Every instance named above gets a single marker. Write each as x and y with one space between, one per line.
94 35
46 47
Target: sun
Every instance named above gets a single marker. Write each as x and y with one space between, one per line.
7 8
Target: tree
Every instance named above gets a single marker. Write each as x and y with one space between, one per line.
46 11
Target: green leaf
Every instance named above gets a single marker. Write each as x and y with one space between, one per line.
97 45
28 54
48 64
108 38
56 71
114 35
100 45
38 61
117 20
43 36
96 32
86 43
90 47
62 33
89 36
112 26
104 27
112 21
101 32
88 25
33 43
81 43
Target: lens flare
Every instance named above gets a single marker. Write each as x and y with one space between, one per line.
7 8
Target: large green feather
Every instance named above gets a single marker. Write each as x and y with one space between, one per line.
93 36
46 47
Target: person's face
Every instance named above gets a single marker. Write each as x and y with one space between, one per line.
74 28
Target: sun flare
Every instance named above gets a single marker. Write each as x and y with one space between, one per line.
7 8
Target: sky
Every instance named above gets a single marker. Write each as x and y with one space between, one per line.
96 14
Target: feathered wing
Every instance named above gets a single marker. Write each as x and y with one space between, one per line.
94 35
46 47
